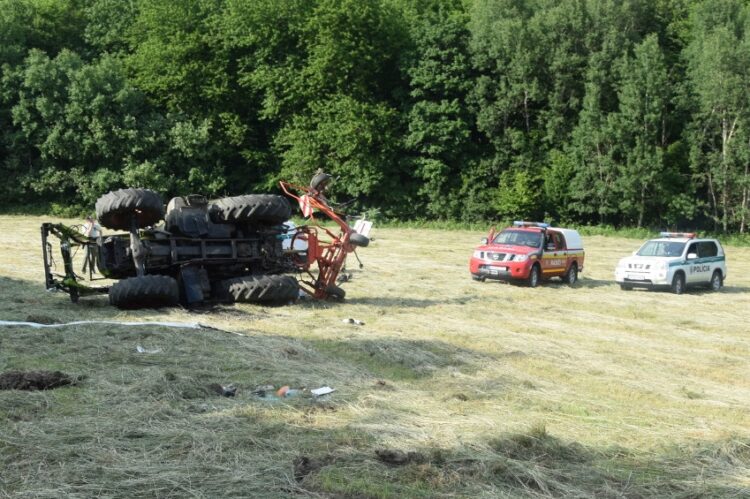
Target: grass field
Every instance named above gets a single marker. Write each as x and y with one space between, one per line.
451 388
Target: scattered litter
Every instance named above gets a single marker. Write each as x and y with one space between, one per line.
224 391
353 321
382 385
35 380
285 392
323 390
261 390
140 349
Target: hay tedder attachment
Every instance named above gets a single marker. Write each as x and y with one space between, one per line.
329 255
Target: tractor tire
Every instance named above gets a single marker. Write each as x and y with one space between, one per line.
335 293
356 239
269 289
116 209
264 209
148 291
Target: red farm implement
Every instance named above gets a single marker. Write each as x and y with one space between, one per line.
324 247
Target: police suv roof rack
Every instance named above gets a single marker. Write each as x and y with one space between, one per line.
523 223
689 235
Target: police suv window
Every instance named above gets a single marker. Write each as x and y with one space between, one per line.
693 249
707 249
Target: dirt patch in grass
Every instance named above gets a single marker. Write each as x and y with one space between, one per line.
396 457
305 465
35 380
40 319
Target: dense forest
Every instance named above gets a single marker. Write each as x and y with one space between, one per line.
621 112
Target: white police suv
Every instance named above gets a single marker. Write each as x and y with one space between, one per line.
676 260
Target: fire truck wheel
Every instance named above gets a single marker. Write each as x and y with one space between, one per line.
335 293
148 291
116 209
266 209
571 276
269 289
534 276
359 240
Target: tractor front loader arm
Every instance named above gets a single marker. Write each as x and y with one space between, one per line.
68 282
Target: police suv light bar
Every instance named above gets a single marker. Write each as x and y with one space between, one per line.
689 235
522 223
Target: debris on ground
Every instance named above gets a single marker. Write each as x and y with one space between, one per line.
398 458
35 380
285 391
344 278
140 349
262 390
224 391
382 385
323 390
353 321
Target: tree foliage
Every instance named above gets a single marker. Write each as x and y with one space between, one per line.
629 112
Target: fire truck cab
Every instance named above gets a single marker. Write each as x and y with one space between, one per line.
529 252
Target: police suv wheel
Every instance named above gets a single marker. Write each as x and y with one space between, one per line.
716 281
678 283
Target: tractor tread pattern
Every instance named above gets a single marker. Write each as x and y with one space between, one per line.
115 208
259 289
268 209
149 291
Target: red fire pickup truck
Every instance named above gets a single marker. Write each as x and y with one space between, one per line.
529 252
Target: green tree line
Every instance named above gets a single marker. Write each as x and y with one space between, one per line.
621 112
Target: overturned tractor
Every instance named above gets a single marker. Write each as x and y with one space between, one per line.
235 249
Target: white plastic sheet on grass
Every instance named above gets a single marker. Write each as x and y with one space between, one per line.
184 325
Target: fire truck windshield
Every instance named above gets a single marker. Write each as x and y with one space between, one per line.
519 238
